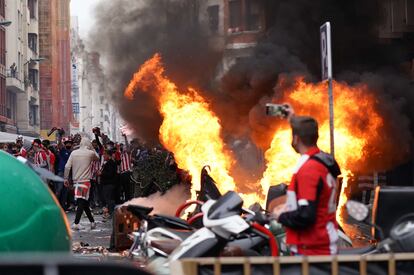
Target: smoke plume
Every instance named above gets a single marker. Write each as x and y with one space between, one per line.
130 31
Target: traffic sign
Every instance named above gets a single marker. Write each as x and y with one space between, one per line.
326 53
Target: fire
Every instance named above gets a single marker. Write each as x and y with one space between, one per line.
357 125
193 132
189 129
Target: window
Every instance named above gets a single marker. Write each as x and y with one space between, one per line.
2 47
235 14
32 8
253 14
11 105
2 8
101 99
101 112
33 119
32 41
213 18
101 125
33 78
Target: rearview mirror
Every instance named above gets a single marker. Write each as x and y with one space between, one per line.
357 210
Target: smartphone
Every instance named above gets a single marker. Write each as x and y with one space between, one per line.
278 110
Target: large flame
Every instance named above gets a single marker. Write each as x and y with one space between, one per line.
189 129
357 125
192 131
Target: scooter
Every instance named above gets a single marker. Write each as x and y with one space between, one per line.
401 237
164 228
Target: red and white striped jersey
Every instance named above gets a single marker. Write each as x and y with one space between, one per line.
95 168
40 159
23 152
126 165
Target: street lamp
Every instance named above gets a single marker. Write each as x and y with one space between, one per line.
40 59
5 23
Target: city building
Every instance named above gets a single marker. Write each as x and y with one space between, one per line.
234 27
96 108
92 105
22 58
75 60
55 70
5 121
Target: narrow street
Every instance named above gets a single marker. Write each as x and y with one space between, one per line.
91 243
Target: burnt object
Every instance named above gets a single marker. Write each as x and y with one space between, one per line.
208 189
124 223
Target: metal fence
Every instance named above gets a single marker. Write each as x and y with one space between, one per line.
304 264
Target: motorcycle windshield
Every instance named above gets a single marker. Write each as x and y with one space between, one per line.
229 204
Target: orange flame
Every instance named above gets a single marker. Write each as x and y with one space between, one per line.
189 129
357 125
192 131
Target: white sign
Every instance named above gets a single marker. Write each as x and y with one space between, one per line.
326 54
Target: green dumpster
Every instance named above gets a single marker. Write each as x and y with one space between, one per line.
31 219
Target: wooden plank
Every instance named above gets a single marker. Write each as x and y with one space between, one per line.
335 266
310 259
363 266
247 267
217 266
276 267
305 266
391 265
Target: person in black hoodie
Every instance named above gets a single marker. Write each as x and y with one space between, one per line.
109 180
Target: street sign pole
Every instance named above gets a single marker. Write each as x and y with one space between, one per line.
326 60
331 116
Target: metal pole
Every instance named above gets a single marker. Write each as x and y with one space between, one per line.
331 116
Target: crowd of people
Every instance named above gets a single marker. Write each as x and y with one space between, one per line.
102 166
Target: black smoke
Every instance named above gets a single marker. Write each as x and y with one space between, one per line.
291 46
128 32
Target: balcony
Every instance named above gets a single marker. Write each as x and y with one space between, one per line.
14 82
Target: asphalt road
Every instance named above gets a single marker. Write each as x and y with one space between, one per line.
100 236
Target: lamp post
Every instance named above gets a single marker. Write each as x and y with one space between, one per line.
31 60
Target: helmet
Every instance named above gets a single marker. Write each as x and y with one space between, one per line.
26 208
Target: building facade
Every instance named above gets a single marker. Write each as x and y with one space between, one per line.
55 70
234 27
5 122
92 104
75 60
22 83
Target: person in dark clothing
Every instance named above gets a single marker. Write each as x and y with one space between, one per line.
61 191
83 205
109 180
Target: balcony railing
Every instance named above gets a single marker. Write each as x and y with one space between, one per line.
12 74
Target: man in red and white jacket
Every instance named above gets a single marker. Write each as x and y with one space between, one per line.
125 170
40 157
310 212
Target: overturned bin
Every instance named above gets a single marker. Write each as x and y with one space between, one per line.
377 264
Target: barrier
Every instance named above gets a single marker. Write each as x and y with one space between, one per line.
304 265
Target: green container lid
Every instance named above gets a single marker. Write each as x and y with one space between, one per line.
31 218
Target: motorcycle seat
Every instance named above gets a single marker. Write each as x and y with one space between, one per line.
139 211
166 246
356 251
173 221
